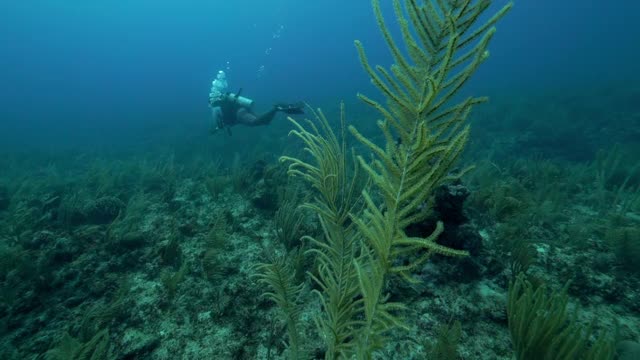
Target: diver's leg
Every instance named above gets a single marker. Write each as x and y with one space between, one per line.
248 118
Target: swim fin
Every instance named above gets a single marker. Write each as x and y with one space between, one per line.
291 109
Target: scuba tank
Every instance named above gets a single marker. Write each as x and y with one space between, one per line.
243 101
246 102
219 91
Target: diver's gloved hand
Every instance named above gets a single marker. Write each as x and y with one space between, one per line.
291 109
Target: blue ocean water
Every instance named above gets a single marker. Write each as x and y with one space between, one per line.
77 71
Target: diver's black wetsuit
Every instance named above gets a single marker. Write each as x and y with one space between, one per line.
235 113
228 111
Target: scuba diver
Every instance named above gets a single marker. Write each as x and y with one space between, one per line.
229 109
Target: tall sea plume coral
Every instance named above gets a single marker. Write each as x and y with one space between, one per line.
425 132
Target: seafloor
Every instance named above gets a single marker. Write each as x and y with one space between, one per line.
151 254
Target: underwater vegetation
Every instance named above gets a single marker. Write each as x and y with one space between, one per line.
412 238
424 136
